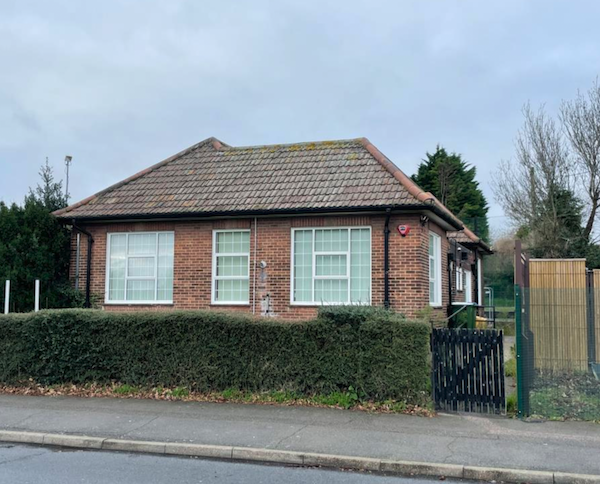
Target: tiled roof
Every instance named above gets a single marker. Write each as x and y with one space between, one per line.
468 238
213 178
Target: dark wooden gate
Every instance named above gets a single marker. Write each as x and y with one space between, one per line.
468 370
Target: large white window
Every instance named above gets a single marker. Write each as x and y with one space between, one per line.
435 269
331 266
231 267
139 268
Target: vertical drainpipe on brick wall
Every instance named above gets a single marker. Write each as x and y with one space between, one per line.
451 280
386 260
88 275
78 247
254 272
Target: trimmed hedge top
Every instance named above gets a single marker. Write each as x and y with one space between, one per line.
379 354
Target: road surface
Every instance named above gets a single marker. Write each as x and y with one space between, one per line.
36 465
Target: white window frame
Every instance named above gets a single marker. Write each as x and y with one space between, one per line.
479 281
214 277
107 301
459 278
314 277
468 288
437 257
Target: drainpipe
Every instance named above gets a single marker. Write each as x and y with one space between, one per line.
77 261
255 264
386 260
88 274
451 280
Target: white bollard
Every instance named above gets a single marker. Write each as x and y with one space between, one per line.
6 296
37 295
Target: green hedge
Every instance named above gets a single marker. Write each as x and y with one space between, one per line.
379 354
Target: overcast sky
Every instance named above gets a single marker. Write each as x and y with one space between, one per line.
120 85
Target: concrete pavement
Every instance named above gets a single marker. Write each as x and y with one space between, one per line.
467 440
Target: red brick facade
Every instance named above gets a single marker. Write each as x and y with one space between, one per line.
408 276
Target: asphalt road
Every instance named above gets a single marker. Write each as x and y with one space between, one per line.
33 465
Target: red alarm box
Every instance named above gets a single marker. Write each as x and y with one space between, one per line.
404 230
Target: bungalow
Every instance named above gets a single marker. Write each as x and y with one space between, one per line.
273 230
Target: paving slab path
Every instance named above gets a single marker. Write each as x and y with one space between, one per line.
465 439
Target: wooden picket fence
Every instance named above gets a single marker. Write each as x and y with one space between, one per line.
468 370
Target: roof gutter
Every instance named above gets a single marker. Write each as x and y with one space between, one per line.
449 219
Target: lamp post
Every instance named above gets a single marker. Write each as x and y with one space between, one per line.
68 161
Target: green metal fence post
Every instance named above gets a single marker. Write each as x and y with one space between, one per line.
521 411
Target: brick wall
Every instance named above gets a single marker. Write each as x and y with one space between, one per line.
408 277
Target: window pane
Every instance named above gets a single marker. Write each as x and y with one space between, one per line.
141 244
165 289
303 265
140 267
140 290
331 290
231 290
232 265
233 242
331 265
360 266
116 274
165 244
467 286
164 271
165 278
331 240
117 245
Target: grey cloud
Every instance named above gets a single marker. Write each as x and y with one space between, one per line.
123 84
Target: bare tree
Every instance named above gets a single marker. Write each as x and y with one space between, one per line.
580 120
532 190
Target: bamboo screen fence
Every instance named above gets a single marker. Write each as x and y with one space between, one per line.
558 298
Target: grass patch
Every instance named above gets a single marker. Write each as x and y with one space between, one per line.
343 400
507 327
511 405
180 392
566 396
338 399
125 389
510 368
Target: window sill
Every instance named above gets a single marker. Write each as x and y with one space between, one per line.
138 303
316 304
215 303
